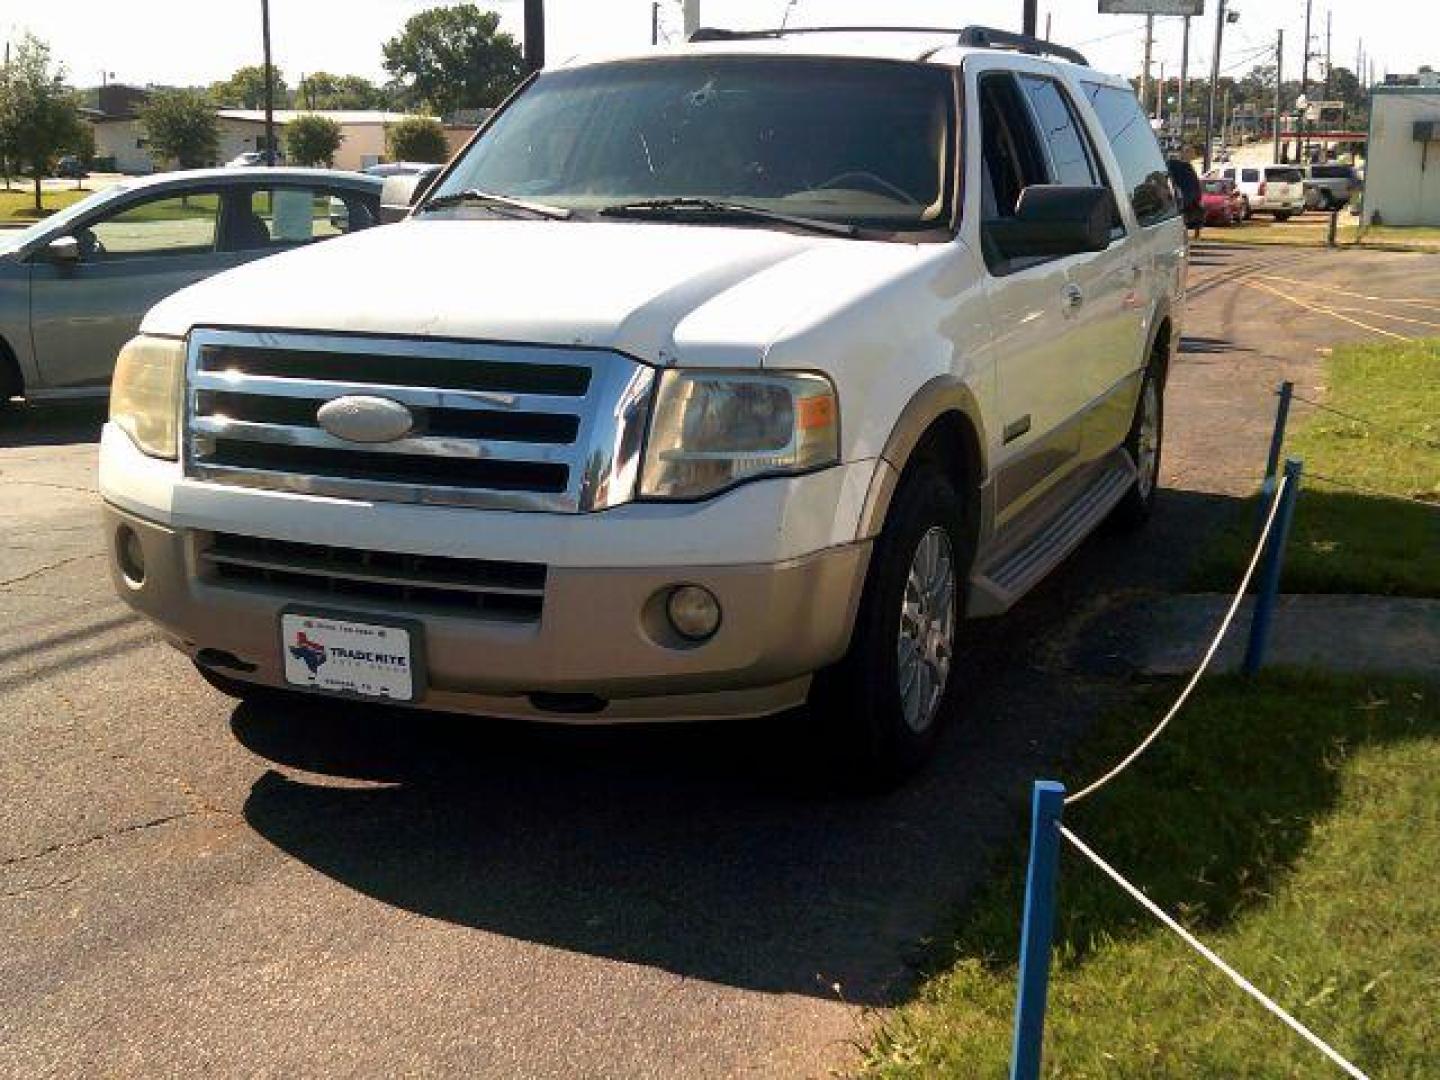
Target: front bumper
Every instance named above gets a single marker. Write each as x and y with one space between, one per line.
600 636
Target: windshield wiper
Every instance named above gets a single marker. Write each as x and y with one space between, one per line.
683 205
490 198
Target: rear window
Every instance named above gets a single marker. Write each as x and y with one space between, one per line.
1331 172
1284 176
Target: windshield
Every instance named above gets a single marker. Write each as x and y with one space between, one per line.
859 142
13 241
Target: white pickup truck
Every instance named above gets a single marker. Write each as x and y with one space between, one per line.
703 383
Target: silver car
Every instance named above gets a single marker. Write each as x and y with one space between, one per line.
74 286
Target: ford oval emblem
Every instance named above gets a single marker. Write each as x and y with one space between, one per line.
361 418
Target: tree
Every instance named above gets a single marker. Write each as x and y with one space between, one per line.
418 138
325 91
246 89
38 117
181 127
312 140
455 58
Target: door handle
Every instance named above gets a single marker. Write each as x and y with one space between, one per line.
1074 297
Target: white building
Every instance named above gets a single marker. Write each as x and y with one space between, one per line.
1402 166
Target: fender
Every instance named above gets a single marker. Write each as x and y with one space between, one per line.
941 395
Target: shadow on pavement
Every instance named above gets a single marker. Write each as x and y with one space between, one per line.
705 850
52 424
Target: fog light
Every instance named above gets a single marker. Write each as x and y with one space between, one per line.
694 612
130 555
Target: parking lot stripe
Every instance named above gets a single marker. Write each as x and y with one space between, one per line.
1327 311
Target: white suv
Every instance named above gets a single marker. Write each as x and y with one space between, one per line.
706 383
1272 189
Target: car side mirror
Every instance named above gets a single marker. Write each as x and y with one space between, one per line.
400 193
1053 220
63 249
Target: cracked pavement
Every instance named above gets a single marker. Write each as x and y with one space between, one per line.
192 888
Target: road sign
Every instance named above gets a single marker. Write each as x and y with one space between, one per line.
1152 7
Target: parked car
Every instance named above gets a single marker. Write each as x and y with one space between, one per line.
71 167
1273 189
1223 203
253 159
1330 187
74 286
741 385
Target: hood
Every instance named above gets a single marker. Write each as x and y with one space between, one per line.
663 292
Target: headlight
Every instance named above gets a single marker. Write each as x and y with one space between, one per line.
145 394
711 430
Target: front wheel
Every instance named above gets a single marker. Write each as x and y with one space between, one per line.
1282 215
1143 444
881 709
1245 210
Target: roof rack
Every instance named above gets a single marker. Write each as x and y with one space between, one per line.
975 37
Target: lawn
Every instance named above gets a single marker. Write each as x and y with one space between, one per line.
1292 822
1310 229
17 206
1345 541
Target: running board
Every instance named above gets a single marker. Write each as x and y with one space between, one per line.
1017 568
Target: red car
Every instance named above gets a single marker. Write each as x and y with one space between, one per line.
1222 202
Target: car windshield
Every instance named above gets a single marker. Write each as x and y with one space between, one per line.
859 142
13 241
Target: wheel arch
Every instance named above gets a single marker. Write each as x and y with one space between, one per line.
942 424
12 379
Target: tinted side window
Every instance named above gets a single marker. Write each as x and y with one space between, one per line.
1142 167
1250 176
1060 130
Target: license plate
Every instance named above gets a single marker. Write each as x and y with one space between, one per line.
340 656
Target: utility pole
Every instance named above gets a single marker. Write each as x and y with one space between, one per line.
1145 71
1029 17
1305 78
269 85
1214 79
1047 26
655 23
534 34
1279 82
1160 93
1328 17
1184 77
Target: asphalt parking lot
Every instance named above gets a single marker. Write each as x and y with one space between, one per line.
189 887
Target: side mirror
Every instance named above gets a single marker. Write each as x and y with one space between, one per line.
1052 220
400 193
63 249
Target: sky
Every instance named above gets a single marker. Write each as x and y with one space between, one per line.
191 42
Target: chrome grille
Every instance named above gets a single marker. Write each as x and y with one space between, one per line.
441 584
496 426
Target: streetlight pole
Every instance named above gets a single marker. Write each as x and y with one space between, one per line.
1214 81
269 85
1184 77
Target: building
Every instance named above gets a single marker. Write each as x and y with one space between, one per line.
120 136
1402 169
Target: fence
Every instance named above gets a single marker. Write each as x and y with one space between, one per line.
1278 495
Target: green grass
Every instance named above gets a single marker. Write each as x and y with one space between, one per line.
1310 230
1347 542
1294 824
17 206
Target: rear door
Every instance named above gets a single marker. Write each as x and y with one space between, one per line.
131 257
1105 325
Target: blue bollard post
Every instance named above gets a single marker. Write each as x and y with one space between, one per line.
1277 445
1270 570
1046 804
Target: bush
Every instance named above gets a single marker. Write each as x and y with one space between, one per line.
419 138
312 140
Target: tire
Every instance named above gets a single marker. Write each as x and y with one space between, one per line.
11 384
1282 215
1245 210
1144 444
875 735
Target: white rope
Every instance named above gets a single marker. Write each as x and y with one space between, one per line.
1205 661
1200 947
